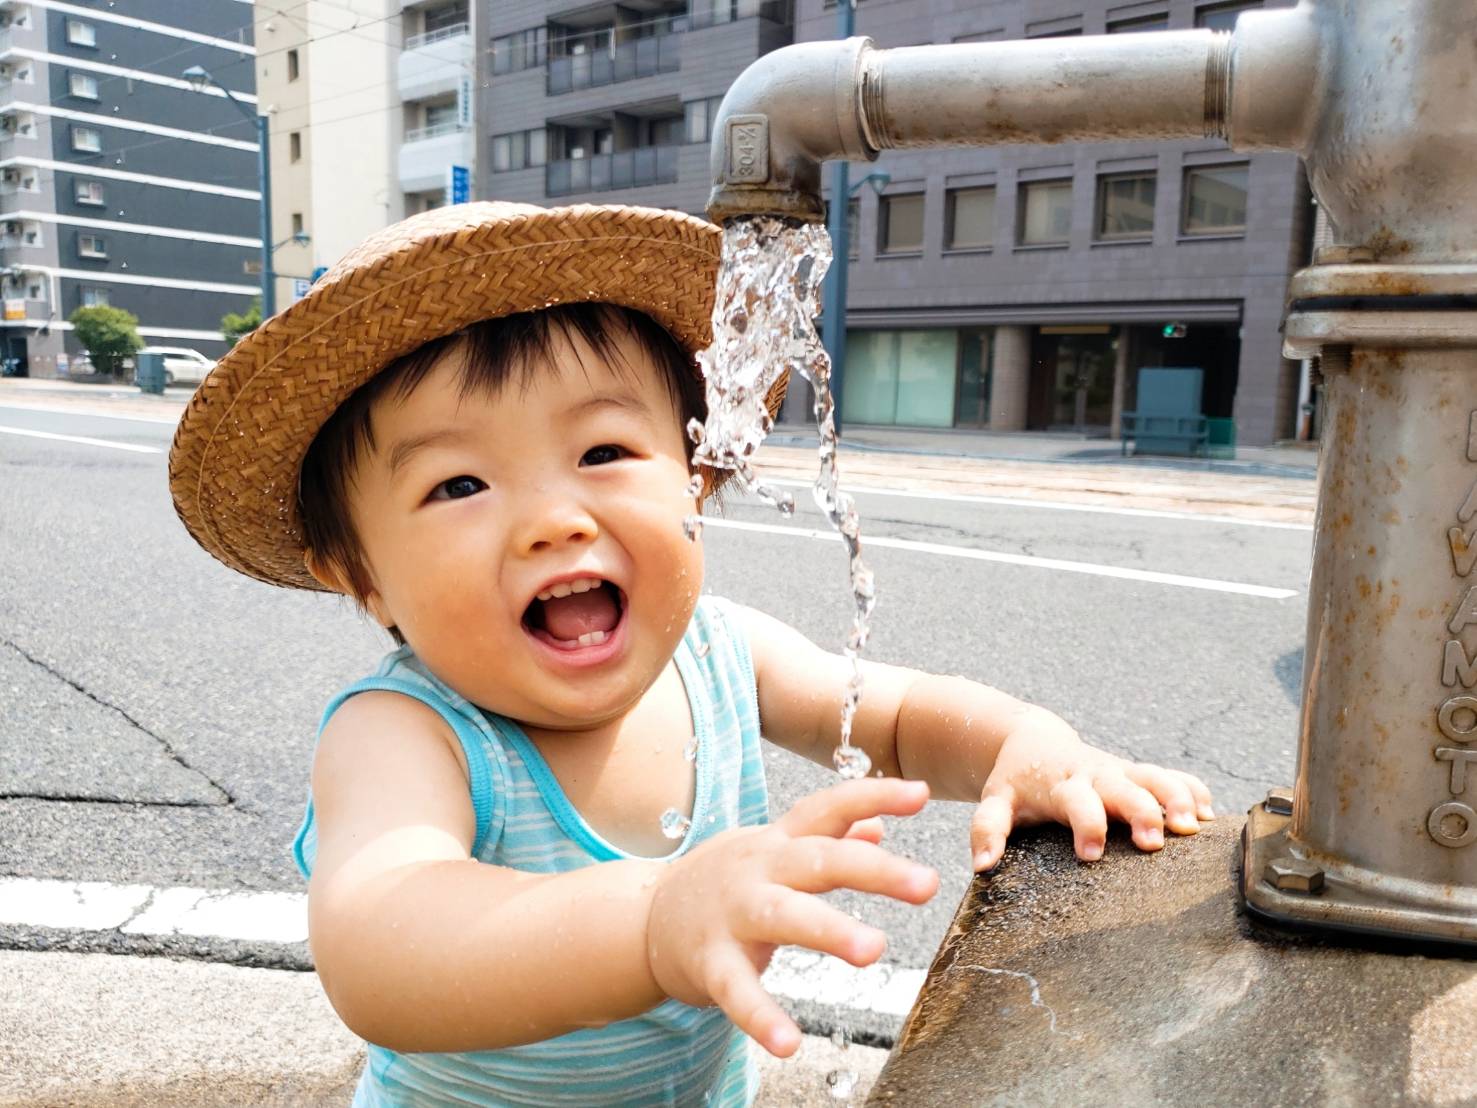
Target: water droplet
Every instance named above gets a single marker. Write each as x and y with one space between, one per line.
674 824
840 1039
690 750
851 761
692 527
840 1083
695 486
701 649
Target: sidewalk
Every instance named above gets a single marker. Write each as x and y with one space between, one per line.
1271 483
104 1029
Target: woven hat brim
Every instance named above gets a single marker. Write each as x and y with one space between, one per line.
239 447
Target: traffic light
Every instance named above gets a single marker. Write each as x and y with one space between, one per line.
1174 330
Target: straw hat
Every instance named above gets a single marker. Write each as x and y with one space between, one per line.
233 467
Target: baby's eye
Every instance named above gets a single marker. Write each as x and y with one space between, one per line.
457 488
603 454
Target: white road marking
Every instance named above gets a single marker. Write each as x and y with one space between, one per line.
60 410
1178 580
1057 506
281 918
85 441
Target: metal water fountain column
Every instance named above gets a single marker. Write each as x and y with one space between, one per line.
1379 833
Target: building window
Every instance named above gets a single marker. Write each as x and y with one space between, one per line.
446 17
519 150
297 224
92 246
901 377
90 192
1055 28
441 117
295 146
700 115
1222 17
1045 213
1139 23
1125 206
969 219
94 297
901 224
853 228
81 34
292 65
87 139
980 36
82 85
1215 200
523 50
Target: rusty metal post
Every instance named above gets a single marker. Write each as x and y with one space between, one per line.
1380 831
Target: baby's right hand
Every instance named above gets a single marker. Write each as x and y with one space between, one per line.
718 913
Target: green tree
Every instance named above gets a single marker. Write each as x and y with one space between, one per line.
235 325
110 336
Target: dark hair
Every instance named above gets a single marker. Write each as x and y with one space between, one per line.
498 352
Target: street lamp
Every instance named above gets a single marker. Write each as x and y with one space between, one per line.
833 302
199 77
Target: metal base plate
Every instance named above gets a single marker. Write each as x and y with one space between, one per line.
1342 903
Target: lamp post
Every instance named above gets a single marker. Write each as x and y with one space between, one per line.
199 77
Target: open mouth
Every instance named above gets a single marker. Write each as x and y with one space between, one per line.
574 614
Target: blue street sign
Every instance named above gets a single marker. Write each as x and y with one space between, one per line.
458 184
319 272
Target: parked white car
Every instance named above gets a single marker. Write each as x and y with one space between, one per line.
182 366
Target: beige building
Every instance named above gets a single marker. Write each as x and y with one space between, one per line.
370 103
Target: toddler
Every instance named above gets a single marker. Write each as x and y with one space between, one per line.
540 865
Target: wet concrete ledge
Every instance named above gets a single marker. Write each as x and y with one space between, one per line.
1139 981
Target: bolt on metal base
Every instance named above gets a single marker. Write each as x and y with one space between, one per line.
1285 883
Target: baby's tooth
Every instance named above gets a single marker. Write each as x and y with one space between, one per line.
582 585
597 637
561 589
546 595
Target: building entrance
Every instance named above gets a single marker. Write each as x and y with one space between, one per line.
1072 379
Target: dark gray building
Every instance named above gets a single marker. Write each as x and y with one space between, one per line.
1015 287
120 184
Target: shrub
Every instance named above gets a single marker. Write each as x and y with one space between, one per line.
110 336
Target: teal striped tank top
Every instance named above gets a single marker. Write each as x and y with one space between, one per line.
672 1055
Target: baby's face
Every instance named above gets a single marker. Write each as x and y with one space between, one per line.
530 548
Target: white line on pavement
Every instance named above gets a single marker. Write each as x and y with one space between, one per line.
81 439
60 410
1059 506
1151 576
278 917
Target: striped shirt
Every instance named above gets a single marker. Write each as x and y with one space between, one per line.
672 1055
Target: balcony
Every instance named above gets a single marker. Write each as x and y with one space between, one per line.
645 165
428 152
432 64
642 57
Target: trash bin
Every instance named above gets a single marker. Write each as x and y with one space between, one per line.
149 372
1220 438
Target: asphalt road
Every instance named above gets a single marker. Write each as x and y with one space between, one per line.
157 710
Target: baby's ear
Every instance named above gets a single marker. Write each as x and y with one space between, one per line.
326 572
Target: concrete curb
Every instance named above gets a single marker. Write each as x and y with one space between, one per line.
88 1030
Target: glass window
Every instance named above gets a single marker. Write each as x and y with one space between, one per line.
970 219
980 36
90 192
295 146
973 406
1126 206
502 153
297 223
81 34
441 115
1215 200
853 228
292 65
901 377
700 115
1046 213
1222 17
901 217
87 140
82 85
92 246
520 51
538 146
94 297
439 19
1138 23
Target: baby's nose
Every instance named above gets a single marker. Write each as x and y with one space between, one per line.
554 522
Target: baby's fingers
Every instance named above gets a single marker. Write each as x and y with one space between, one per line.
816 864
832 811
734 987
1172 791
1080 807
788 918
1134 805
868 830
991 826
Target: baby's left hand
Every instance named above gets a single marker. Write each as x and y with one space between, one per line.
1045 772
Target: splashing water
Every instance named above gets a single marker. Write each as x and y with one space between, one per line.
690 750
840 1083
769 291
674 824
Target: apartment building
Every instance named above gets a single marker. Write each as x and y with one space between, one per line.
371 107
119 182
1014 287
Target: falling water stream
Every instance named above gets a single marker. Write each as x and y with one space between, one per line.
769 289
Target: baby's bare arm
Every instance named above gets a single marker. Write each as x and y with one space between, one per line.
421 948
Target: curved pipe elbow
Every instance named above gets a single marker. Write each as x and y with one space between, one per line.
788 112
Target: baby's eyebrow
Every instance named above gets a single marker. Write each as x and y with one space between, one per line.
627 401
401 452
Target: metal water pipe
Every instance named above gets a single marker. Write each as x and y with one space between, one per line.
1379 833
